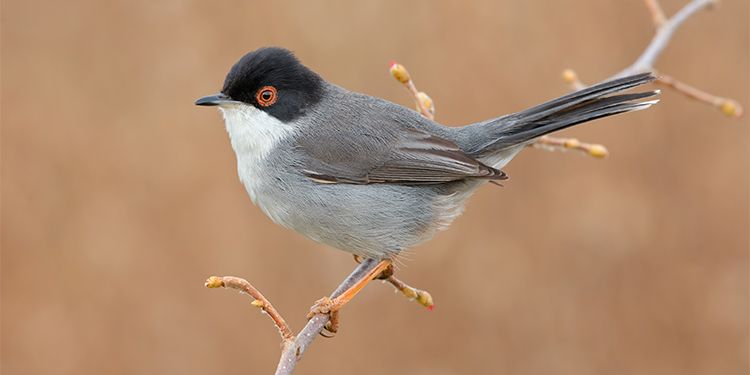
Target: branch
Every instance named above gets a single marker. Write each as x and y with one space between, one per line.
293 347
663 35
665 29
294 350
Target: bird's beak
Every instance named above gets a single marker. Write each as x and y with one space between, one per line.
212 100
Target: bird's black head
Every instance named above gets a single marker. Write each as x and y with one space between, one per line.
274 81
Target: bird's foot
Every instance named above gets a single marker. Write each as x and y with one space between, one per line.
331 307
327 306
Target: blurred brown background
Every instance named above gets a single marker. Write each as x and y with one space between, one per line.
120 197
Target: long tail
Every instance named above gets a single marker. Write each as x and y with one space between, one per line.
581 106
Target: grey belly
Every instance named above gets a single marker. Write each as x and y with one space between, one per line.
373 221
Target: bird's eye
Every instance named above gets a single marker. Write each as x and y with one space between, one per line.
266 96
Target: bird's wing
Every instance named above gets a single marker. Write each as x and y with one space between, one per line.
401 155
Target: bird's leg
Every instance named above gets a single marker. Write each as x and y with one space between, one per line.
387 273
330 306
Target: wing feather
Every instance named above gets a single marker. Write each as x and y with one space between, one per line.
408 156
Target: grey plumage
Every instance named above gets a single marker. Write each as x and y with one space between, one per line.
368 176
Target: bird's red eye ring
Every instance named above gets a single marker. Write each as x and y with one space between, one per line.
266 96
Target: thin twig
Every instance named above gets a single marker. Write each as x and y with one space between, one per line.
422 297
425 105
657 13
571 78
728 106
292 352
554 144
259 301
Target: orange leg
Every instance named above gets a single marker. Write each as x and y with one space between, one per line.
326 305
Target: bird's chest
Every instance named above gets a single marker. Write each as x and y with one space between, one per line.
264 185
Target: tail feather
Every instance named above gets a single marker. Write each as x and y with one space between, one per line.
600 108
592 92
578 107
612 101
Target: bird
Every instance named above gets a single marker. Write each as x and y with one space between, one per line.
367 176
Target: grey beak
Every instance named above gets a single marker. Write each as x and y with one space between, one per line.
212 100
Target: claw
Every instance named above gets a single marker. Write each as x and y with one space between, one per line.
328 307
324 305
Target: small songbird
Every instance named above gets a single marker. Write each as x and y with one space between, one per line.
365 175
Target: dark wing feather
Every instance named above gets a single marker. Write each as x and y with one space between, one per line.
400 155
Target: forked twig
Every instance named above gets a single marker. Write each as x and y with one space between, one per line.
292 352
293 347
665 29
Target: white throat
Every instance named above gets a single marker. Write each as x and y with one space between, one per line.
253 134
252 130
